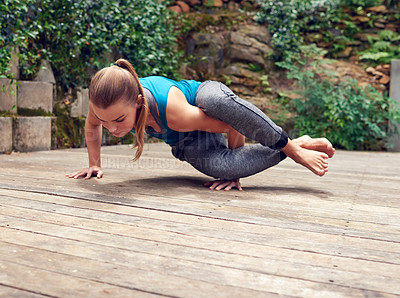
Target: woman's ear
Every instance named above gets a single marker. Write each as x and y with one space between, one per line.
139 101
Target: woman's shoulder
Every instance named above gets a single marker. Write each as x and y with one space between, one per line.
156 79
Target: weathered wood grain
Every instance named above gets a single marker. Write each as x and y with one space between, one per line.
150 228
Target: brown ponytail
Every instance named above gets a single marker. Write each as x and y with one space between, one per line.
121 82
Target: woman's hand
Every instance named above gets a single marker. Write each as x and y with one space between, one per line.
224 184
93 171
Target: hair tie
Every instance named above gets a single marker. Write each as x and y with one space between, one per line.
116 64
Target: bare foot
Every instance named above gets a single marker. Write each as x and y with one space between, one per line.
316 162
320 144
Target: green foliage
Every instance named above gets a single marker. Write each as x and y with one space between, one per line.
78 35
228 80
352 117
68 131
12 32
265 84
384 48
289 20
354 4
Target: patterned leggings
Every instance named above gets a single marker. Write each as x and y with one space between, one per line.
209 152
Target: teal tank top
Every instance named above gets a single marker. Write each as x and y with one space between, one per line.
159 87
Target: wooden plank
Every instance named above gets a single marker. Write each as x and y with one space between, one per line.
377 250
260 215
182 241
127 263
11 292
209 228
294 204
309 213
53 284
48 203
268 218
287 230
330 204
359 229
121 276
131 276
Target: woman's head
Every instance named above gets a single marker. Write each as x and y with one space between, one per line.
118 101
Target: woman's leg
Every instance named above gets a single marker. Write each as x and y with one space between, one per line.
209 154
219 102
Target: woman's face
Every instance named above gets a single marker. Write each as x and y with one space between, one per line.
118 118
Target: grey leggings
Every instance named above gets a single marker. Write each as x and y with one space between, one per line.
209 152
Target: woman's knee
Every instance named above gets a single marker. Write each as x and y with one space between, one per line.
214 98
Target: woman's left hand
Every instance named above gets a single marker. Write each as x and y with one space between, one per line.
223 184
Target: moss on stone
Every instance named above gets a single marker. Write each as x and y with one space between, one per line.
34 112
68 131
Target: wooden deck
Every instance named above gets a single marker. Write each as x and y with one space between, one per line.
150 229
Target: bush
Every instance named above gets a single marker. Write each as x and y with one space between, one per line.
384 48
12 31
288 20
352 117
354 4
77 35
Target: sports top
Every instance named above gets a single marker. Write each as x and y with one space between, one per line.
159 88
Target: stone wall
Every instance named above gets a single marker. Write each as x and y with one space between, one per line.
28 122
239 57
229 55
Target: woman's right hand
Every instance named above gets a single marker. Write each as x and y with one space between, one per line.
93 171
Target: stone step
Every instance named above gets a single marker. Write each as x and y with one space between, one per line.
31 133
5 134
8 96
35 95
80 107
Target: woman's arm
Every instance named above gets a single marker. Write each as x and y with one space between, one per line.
93 142
182 116
93 133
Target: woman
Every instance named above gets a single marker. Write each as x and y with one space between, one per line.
191 116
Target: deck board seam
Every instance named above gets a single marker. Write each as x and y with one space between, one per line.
164 295
171 231
330 283
26 290
228 205
90 279
130 206
75 196
163 242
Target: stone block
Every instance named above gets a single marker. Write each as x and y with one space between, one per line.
32 133
85 101
80 107
395 94
76 106
5 134
176 8
240 53
184 7
206 45
35 95
258 32
8 96
193 2
45 73
238 39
